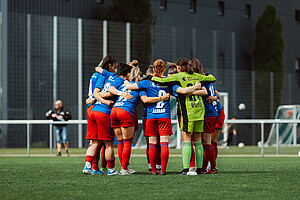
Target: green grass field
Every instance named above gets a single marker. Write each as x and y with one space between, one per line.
61 178
253 150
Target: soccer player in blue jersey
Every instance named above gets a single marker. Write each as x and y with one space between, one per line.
158 115
99 122
210 120
109 64
215 135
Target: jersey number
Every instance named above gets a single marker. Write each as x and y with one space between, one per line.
193 97
160 104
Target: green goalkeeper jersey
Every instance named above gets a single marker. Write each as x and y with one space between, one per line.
192 107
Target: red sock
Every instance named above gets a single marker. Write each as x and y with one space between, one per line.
95 163
193 161
126 153
206 156
89 159
110 163
213 158
215 146
158 158
152 156
164 155
103 162
147 152
120 150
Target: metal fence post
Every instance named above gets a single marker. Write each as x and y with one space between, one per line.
104 38
80 82
51 138
272 95
127 42
277 139
28 138
262 138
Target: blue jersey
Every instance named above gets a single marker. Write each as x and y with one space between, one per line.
128 104
219 106
159 109
144 93
92 85
112 80
211 109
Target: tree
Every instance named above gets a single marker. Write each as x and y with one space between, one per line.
268 57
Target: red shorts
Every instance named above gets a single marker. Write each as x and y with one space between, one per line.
136 120
88 112
121 118
144 125
158 127
221 119
99 127
210 124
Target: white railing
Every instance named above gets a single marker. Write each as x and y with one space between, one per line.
80 122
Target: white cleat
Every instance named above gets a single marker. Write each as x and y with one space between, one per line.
191 173
113 172
125 172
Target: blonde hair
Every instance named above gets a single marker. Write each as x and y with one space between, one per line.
150 70
134 63
159 67
135 74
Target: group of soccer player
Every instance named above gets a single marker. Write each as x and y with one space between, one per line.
112 112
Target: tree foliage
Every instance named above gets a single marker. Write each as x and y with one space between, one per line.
268 57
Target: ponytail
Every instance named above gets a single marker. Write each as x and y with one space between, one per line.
135 74
159 67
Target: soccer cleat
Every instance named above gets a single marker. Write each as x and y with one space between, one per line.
149 170
58 154
114 172
125 172
183 172
154 173
86 170
163 173
191 173
67 155
212 171
98 172
192 169
131 171
199 171
104 170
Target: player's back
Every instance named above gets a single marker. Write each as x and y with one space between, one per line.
211 109
105 84
160 109
128 104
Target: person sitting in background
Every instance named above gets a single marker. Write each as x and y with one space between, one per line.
59 113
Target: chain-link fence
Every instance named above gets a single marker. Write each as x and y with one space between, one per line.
51 58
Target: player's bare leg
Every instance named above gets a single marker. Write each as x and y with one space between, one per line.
110 157
90 154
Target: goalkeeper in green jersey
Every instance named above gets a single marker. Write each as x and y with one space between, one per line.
192 111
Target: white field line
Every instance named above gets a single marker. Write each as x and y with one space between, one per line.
142 155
